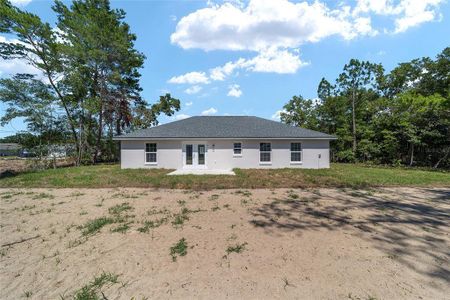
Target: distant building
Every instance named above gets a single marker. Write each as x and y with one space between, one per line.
10 149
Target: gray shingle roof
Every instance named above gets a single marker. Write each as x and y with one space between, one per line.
224 127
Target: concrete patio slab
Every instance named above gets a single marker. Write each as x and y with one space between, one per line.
201 172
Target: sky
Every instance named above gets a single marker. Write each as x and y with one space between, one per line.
250 57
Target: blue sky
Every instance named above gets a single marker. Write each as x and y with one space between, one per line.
250 57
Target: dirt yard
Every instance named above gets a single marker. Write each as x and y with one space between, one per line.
390 243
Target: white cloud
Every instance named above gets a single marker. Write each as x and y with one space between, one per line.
261 24
20 2
234 91
189 103
181 117
193 89
406 13
208 112
190 78
14 66
277 115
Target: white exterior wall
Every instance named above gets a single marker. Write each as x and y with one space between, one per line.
219 154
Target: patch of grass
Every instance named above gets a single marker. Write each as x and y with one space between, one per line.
152 224
121 228
119 208
92 290
76 194
339 175
179 219
179 249
238 248
181 202
213 197
43 196
28 294
93 226
243 193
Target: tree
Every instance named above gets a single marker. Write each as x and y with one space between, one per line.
300 112
356 78
92 67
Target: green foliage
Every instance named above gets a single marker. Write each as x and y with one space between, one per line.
91 69
92 291
238 248
400 117
93 226
179 249
119 208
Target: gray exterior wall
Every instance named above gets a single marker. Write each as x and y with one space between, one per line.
219 154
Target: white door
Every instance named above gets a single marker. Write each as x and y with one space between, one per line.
194 156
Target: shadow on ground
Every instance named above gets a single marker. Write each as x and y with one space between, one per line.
411 228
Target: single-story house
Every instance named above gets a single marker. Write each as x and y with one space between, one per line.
224 143
10 149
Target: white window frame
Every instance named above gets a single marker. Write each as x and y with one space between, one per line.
270 152
156 154
301 153
237 154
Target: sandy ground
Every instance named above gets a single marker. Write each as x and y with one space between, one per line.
298 244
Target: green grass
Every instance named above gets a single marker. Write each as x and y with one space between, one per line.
92 290
339 175
179 249
238 248
93 226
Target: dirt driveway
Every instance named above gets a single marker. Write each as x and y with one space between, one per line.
225 244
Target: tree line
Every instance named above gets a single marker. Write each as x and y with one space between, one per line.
87 89
401 117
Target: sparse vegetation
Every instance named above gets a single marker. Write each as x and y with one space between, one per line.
43 196
339 175
238 248
92 290
93 226
119 208
179 249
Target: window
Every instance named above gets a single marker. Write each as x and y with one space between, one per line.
296 152
265 152
237 148
150 153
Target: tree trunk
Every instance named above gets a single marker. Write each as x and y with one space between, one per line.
411 161
354 123
442 158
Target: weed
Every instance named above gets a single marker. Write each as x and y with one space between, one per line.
27 207
28 294
293 195
121 228
244 193
213 197
152 224
179 219
93 226
215 208
76 194
92 289
83 212
181 202
119 208
238 248
43 196
179 249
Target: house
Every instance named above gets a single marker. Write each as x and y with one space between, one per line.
10 149
224 143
